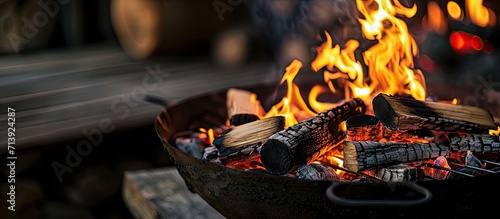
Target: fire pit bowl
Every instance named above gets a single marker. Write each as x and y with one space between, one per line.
242 194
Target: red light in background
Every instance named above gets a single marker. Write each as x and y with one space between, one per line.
487 47
463 42
459 42
476 43
426 62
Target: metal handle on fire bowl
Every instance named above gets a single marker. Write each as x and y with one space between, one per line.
427 196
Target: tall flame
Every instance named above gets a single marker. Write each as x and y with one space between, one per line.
389 63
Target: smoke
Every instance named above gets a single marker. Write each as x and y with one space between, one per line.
292 28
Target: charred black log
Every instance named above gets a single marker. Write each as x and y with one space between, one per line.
317 172
366 155
410 114
307 140
400 173
475 143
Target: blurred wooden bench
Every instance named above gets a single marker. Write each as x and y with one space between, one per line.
161 193
59 93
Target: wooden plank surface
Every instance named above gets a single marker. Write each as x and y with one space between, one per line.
161 193
58 94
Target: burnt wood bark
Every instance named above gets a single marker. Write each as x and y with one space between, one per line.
410 114
364 155
400 173
476 143
307 140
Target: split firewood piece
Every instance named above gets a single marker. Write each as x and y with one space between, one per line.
309 139
369 128
250 133
410 114
364 155
476 143
317 172
400 173
242 102
442 174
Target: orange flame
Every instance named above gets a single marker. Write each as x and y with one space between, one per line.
495 132
209 134
293 103
389 63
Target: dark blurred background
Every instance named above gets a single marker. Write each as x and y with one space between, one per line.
71 67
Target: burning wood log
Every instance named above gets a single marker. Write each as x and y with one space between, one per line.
317 172
400 173
477 143
250 133
364 155
307 140
410 114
